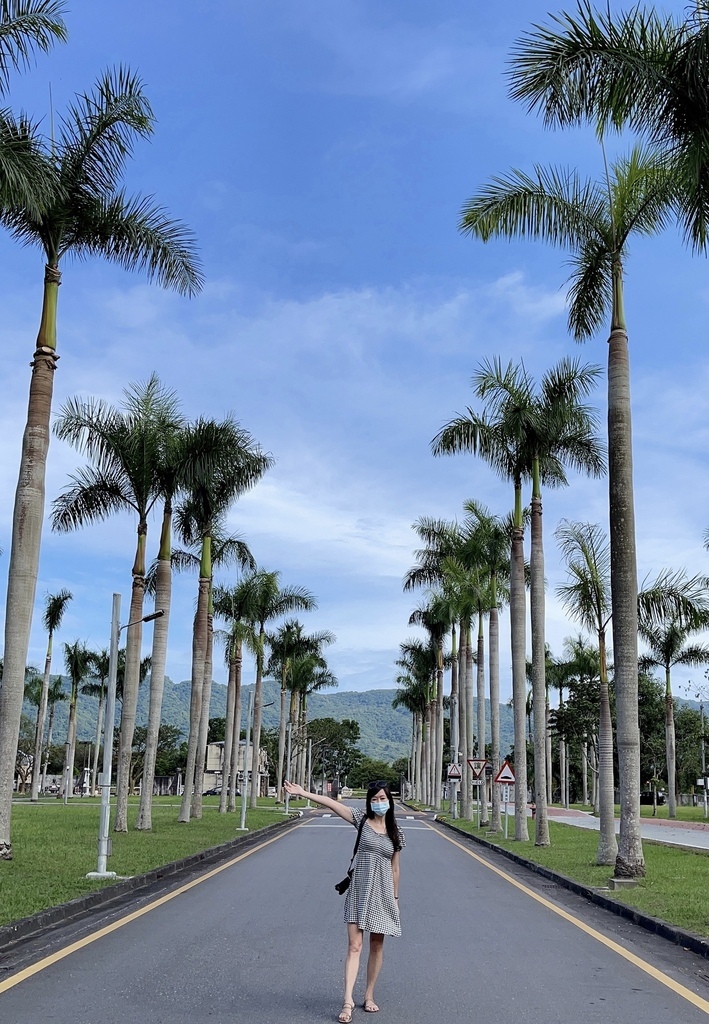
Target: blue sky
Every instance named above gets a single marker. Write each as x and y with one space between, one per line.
321 150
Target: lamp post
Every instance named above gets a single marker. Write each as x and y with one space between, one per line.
104 779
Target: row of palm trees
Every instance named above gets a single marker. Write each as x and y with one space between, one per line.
65 196
643 72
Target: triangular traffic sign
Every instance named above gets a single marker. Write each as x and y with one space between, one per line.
477 766
505 774
453 771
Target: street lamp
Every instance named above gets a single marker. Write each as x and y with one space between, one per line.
104 779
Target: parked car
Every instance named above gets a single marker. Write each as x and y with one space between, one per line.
217 791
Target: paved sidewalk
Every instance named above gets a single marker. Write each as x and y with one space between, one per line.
694 834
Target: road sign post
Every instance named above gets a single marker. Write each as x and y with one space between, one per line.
506 778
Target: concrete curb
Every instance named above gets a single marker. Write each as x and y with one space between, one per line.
671 932
83 906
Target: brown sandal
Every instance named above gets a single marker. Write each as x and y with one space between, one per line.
346 1013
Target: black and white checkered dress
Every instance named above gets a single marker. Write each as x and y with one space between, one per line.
370 902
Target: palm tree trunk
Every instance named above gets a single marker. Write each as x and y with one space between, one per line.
539 690
439 729
670 747
228 732
236 733
481 720
282 735
494 661
46 749
519 680
258 703
27 519
469 712
462 720
607 844
41 719
199 647
131 682
547 741
453 713
97 742
163 600
202 736
302 730
584 770
630 862
419 757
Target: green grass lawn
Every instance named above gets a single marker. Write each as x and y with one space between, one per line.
683 813
676 888
54 846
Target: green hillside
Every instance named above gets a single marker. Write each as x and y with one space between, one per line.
385 731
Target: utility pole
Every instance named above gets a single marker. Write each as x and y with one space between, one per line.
245 784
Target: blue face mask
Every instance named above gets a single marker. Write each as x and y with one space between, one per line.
380 807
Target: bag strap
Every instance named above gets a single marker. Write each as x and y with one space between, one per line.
356 845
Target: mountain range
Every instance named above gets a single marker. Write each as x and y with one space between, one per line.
385 732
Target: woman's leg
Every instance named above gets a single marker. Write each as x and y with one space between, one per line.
374 966
354 948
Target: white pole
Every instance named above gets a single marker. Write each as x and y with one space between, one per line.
105 776
245 785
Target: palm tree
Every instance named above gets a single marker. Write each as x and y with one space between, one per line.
77 661
54 608
99 670
432 617
493 539
309 674
55 694
125 447
587 598
224 551
25 26
503 437
232 604
288 643
419 662
595 220
87 214
668 645
236 463
638 68
267 601
411 695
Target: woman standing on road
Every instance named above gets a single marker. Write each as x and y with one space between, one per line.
372 900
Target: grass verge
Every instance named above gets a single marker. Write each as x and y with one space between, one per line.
674 890
54 846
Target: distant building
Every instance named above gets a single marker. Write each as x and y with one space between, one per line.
214 770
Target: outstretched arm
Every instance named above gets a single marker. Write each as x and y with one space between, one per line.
325 801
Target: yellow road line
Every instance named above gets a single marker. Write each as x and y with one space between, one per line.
28 972
664 979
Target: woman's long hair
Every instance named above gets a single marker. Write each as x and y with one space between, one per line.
389 819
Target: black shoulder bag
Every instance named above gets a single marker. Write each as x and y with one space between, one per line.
344 885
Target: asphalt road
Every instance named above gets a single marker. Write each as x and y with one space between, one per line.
263 941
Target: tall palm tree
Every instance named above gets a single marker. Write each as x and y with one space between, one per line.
124 446
432 617
493 539
419 662
668 643
54 607
501 435
236 464
55 694
232 604
411 695
587 598
309 674
594 220
87 214
268 601
224 552
287 644
637 68
77 661
25 26
99 670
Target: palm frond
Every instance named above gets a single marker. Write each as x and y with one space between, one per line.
590 289
91 497
553 205
26 26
